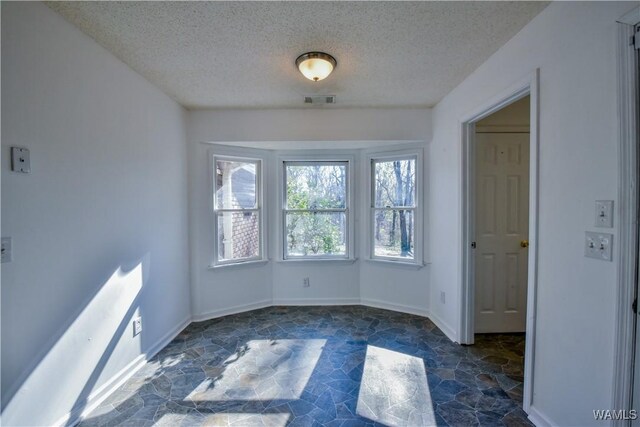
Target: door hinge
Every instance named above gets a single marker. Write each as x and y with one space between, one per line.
473 245
634 306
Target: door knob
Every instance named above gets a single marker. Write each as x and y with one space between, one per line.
524 243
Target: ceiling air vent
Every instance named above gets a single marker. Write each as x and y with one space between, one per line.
320 99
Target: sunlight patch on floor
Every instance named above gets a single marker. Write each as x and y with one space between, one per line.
263 370
224 419
394 389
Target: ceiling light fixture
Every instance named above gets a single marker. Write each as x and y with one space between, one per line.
316 66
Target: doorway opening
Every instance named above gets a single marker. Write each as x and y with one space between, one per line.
499 229
501 188
501 224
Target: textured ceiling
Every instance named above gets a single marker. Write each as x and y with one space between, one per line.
241 54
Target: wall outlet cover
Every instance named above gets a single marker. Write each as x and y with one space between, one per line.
137 326
20 160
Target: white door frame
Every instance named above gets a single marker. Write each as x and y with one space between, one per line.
528 86
628 205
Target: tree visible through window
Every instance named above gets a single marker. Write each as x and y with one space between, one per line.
237 210
394 206
315 212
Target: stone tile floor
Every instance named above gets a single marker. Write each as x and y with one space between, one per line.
322 366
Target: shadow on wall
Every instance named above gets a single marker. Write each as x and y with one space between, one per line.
75 358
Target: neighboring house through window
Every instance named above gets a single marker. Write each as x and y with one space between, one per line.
237 209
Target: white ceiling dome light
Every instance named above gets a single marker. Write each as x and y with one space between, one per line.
316 66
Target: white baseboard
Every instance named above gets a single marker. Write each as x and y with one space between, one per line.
231 310
316 301
418 311
539 419
167 338
444 327
98 396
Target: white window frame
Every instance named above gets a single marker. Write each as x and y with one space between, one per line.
418 210
311 159
259 209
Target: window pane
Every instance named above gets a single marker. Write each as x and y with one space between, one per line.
238 235
316 186
316 234
394 233
236 184
395 183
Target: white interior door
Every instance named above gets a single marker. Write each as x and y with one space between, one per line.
502 230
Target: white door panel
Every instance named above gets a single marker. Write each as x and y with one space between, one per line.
502 223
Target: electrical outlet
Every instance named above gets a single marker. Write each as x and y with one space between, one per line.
604 213
5 250
442 297
305 282
137 326
598 245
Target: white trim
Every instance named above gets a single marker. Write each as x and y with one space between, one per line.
316 145
216 153
252 263
444 327
539 419
623 365
527 86
347 156
417 311
630 18
316 261
214 314
103 392
112 384
419 204
401 308
396 263
97 397
315 301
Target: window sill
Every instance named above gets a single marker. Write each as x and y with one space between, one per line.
401 264
318 261
256 263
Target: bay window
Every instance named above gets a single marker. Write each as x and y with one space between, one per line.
316 219
394 209
237 207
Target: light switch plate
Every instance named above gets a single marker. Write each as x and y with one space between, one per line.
5 249
604 213
20 160
598 245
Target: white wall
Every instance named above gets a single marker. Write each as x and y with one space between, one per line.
99 226
573 44
220 291
100 232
